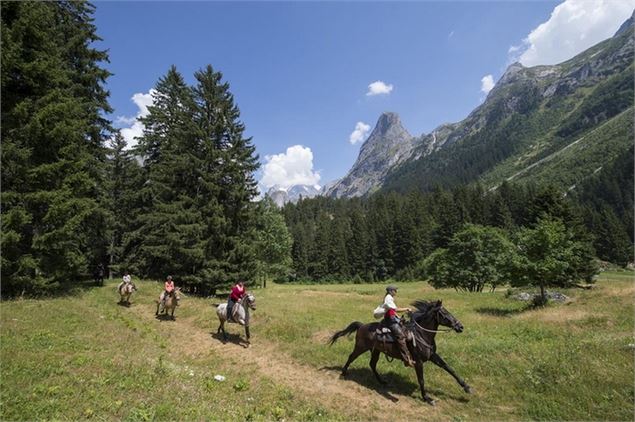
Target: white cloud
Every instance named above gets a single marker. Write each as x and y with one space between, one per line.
359 134
378 88
487 83
574 26
295 167
451 34
133 127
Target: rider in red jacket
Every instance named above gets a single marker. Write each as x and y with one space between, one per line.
238 292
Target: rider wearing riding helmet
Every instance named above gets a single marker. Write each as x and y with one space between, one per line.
391 320
237 293
168 288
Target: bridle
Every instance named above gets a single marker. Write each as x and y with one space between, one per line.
436 316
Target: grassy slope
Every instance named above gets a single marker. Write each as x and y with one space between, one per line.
83 356
570 165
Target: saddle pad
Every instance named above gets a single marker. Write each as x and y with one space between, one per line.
385 338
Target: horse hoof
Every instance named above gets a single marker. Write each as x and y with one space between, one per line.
468 389
430 401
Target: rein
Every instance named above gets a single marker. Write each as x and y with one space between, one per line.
431 331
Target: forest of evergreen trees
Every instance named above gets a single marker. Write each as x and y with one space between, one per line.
74 197
388 235
182 201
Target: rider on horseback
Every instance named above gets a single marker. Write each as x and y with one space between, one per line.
238 292
168 288
392 321
126 279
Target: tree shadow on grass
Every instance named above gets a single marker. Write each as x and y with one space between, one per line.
55 291
503 312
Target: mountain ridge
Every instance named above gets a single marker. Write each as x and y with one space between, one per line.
531 113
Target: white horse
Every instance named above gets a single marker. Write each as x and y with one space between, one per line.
125 291
240 311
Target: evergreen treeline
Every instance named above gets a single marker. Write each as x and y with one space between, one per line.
388 235
74 197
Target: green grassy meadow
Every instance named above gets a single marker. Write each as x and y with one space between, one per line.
85 357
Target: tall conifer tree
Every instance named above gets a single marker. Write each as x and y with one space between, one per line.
53 131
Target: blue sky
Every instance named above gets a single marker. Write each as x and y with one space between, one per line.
300 72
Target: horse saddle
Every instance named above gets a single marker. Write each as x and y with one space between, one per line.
233 317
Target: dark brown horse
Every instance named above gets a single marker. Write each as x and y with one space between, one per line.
421 331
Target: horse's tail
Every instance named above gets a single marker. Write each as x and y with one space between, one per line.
352 327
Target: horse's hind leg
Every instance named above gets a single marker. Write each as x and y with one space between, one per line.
373 365
354 355
437 360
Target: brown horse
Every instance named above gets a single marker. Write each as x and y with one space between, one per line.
421 331
170 303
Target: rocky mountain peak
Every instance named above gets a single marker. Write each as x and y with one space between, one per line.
388 144
512 73
627 25
386 121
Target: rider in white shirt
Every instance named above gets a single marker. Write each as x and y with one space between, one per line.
391 320
126 279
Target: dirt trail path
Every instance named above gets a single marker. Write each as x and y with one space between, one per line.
345 397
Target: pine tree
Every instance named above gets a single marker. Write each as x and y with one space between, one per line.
227 180
123 177
170 229
53 131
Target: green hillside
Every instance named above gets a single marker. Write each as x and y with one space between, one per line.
547 123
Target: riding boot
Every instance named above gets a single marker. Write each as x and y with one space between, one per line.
400 339
403 350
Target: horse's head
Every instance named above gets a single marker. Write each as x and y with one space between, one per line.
426 311
251 301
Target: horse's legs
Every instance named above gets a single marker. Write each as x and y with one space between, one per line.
356 352
157 312
374 358
437 360
172 315
247 332
419 371
221 328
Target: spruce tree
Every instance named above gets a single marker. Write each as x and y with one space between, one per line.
53 131
226 182
169 226
123 201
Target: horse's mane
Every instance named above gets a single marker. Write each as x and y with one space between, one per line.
422 308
